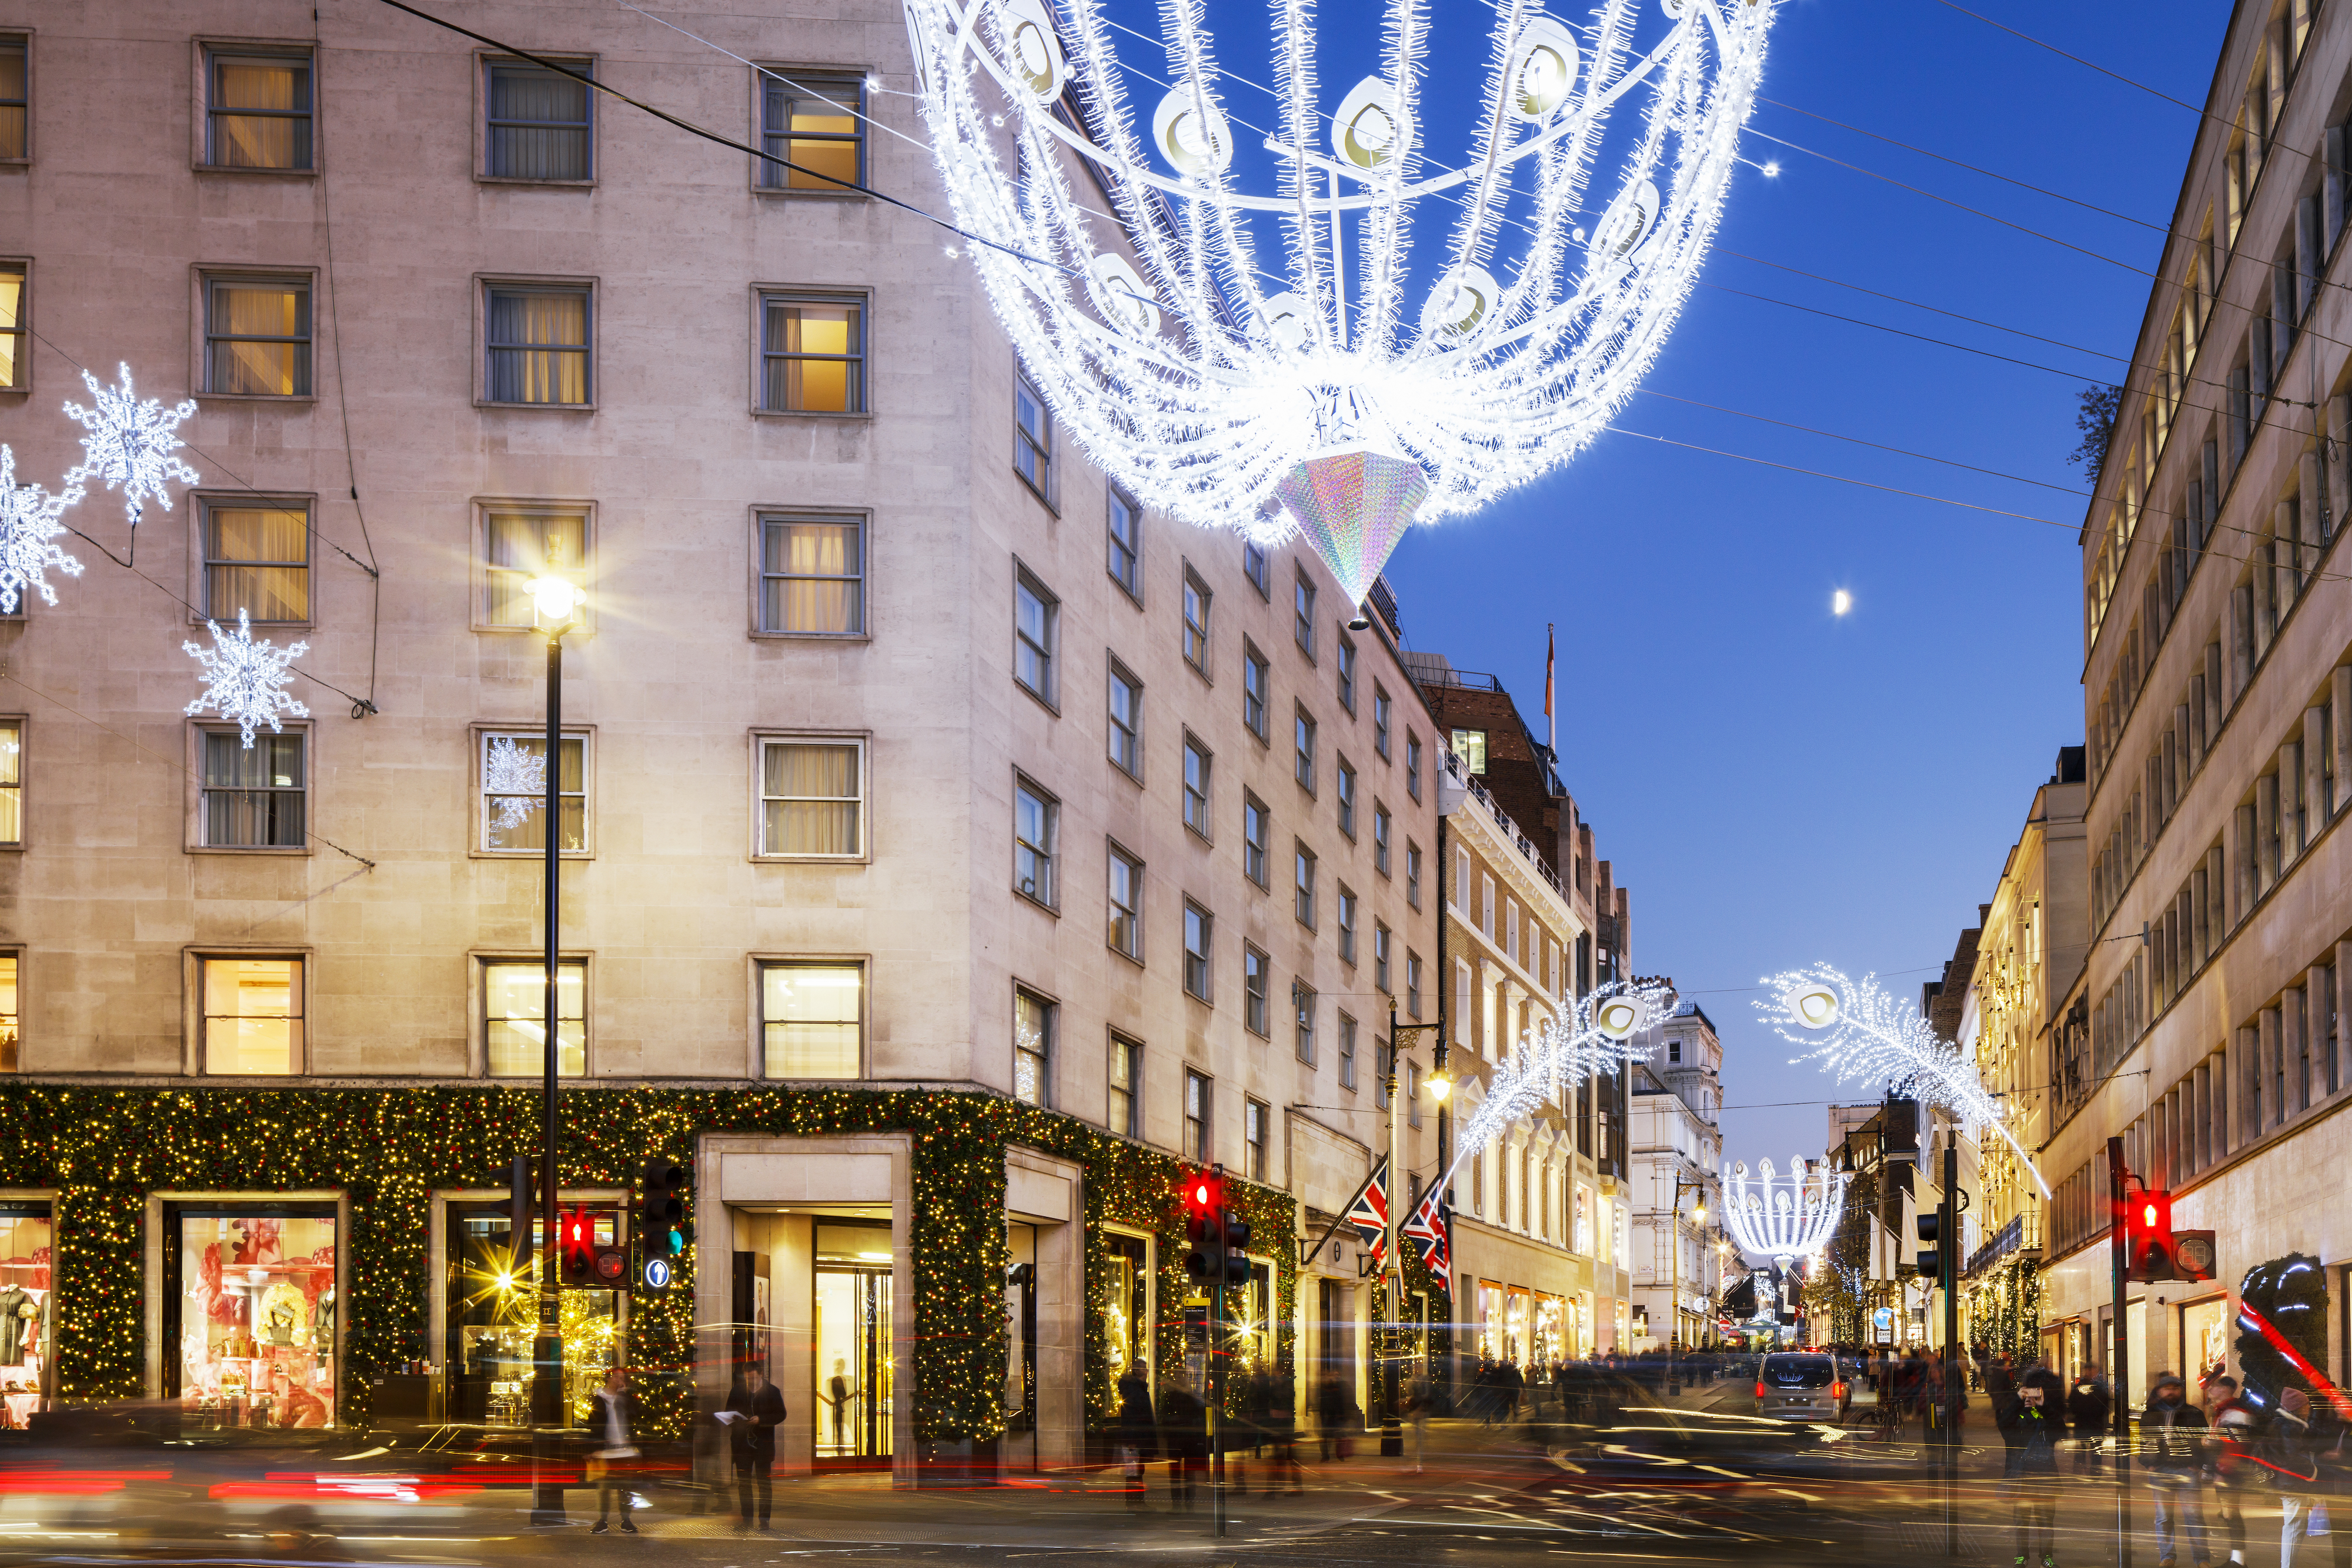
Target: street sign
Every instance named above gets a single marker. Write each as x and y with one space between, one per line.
1882 1325
656 1274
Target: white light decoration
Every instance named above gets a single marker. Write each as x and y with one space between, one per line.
1221 343
1867 1034
29 528
1561 1054
244 680
130 445
1781 1219
515 779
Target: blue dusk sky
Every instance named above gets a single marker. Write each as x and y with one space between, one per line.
1776 785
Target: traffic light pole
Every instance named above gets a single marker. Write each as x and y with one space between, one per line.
1948 1243
1217 1366
547 1380
2119 1374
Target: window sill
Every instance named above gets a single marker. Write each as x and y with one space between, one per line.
1129 956
1036 903
527 857
1124 772
538 407
198 618
236 169
1043 499
205 397
857 637
268 850
806 193
525 181
822 416
16 163
1044 701
1134 596
1197 833
858 860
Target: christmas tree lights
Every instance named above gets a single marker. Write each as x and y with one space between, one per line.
1230 348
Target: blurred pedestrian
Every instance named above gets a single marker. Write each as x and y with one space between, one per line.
759 1410
2036 1420
1137 1434
2172 1447
615 1420
2088 1406
2232 1464
1184 1438
2291 1455
1419 1397
1282 1419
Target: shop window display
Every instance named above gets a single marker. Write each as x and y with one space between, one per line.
25 1314
257 1307
1127 1306
494 1319
854 1336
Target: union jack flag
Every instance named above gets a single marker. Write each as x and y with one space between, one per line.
1370 1213
1431 1231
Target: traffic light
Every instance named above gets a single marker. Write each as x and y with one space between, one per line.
2148 1236
1930 1260
1203 1264
2193 1254
519 1208
1236 1238
663 1229
575 1247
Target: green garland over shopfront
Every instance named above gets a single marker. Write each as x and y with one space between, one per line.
103 1149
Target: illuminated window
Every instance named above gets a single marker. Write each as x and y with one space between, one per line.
812 355
811 1020
257 111
1032 1048
257 336
537 342
812 577
816 122
252 1010
258 560
514 1015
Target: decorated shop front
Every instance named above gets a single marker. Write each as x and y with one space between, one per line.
27 1315
250 1312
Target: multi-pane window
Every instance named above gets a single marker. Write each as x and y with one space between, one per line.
1124 1113
11 782
1303 736
1196 1117
1381 937
1347 1052
1126 903
1412 1087
1347 924
1256 834
812 577
1126 702
1036 615
1198 929
257 560
1033 437
1255 676
1035 818
1032 1048
520 543
257 111
1124 530
1470 746
1412 875
818 125
1382 707
1254 979
13 365
1253 1121
536 340
1380 828
257 336
514 792
1303 880
252 1015
254 797
1253 566
1196 623
13 100
813 1020
1197 762
514 1013
1348 675
812 355
1346 792
1413 984
813 799
1303 614
1302 1018
11 1015
537 125
1413 765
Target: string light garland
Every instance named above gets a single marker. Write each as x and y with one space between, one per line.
1852 1028
130 445
1781 1218
29 528
1217 345
246 680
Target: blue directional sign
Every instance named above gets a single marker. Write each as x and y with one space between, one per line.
656 1274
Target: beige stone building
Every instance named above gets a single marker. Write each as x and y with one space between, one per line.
900 749
2207 1029
1681 1257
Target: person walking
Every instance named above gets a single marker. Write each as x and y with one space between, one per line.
2233 1467
2088 1406
615 1419
2290 1454
1137 1434
1419 1396
2037 1419
1281 1433
758 1410
1184 1438
2172 1448
1331 1403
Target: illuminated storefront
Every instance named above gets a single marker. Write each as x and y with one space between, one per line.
250 1313
27 1315
1127 1305
493 1319
854 1362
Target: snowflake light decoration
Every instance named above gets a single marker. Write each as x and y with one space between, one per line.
245 680
1597 1036
516 778
130 445
1255 344
29 528
1854 1030
1781 1218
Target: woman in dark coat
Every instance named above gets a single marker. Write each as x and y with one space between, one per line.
1137 1433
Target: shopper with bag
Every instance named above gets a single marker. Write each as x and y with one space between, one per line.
609 1465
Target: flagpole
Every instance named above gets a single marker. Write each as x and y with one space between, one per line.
1551 719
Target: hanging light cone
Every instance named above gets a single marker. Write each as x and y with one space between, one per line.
1353 506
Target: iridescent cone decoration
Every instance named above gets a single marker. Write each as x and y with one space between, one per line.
1353 506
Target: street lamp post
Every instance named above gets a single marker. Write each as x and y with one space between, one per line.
1675 1252
1392 1426
554 598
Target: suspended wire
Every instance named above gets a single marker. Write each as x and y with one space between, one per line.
2089 65
1858 441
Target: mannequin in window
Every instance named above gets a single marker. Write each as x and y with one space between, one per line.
839 1391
